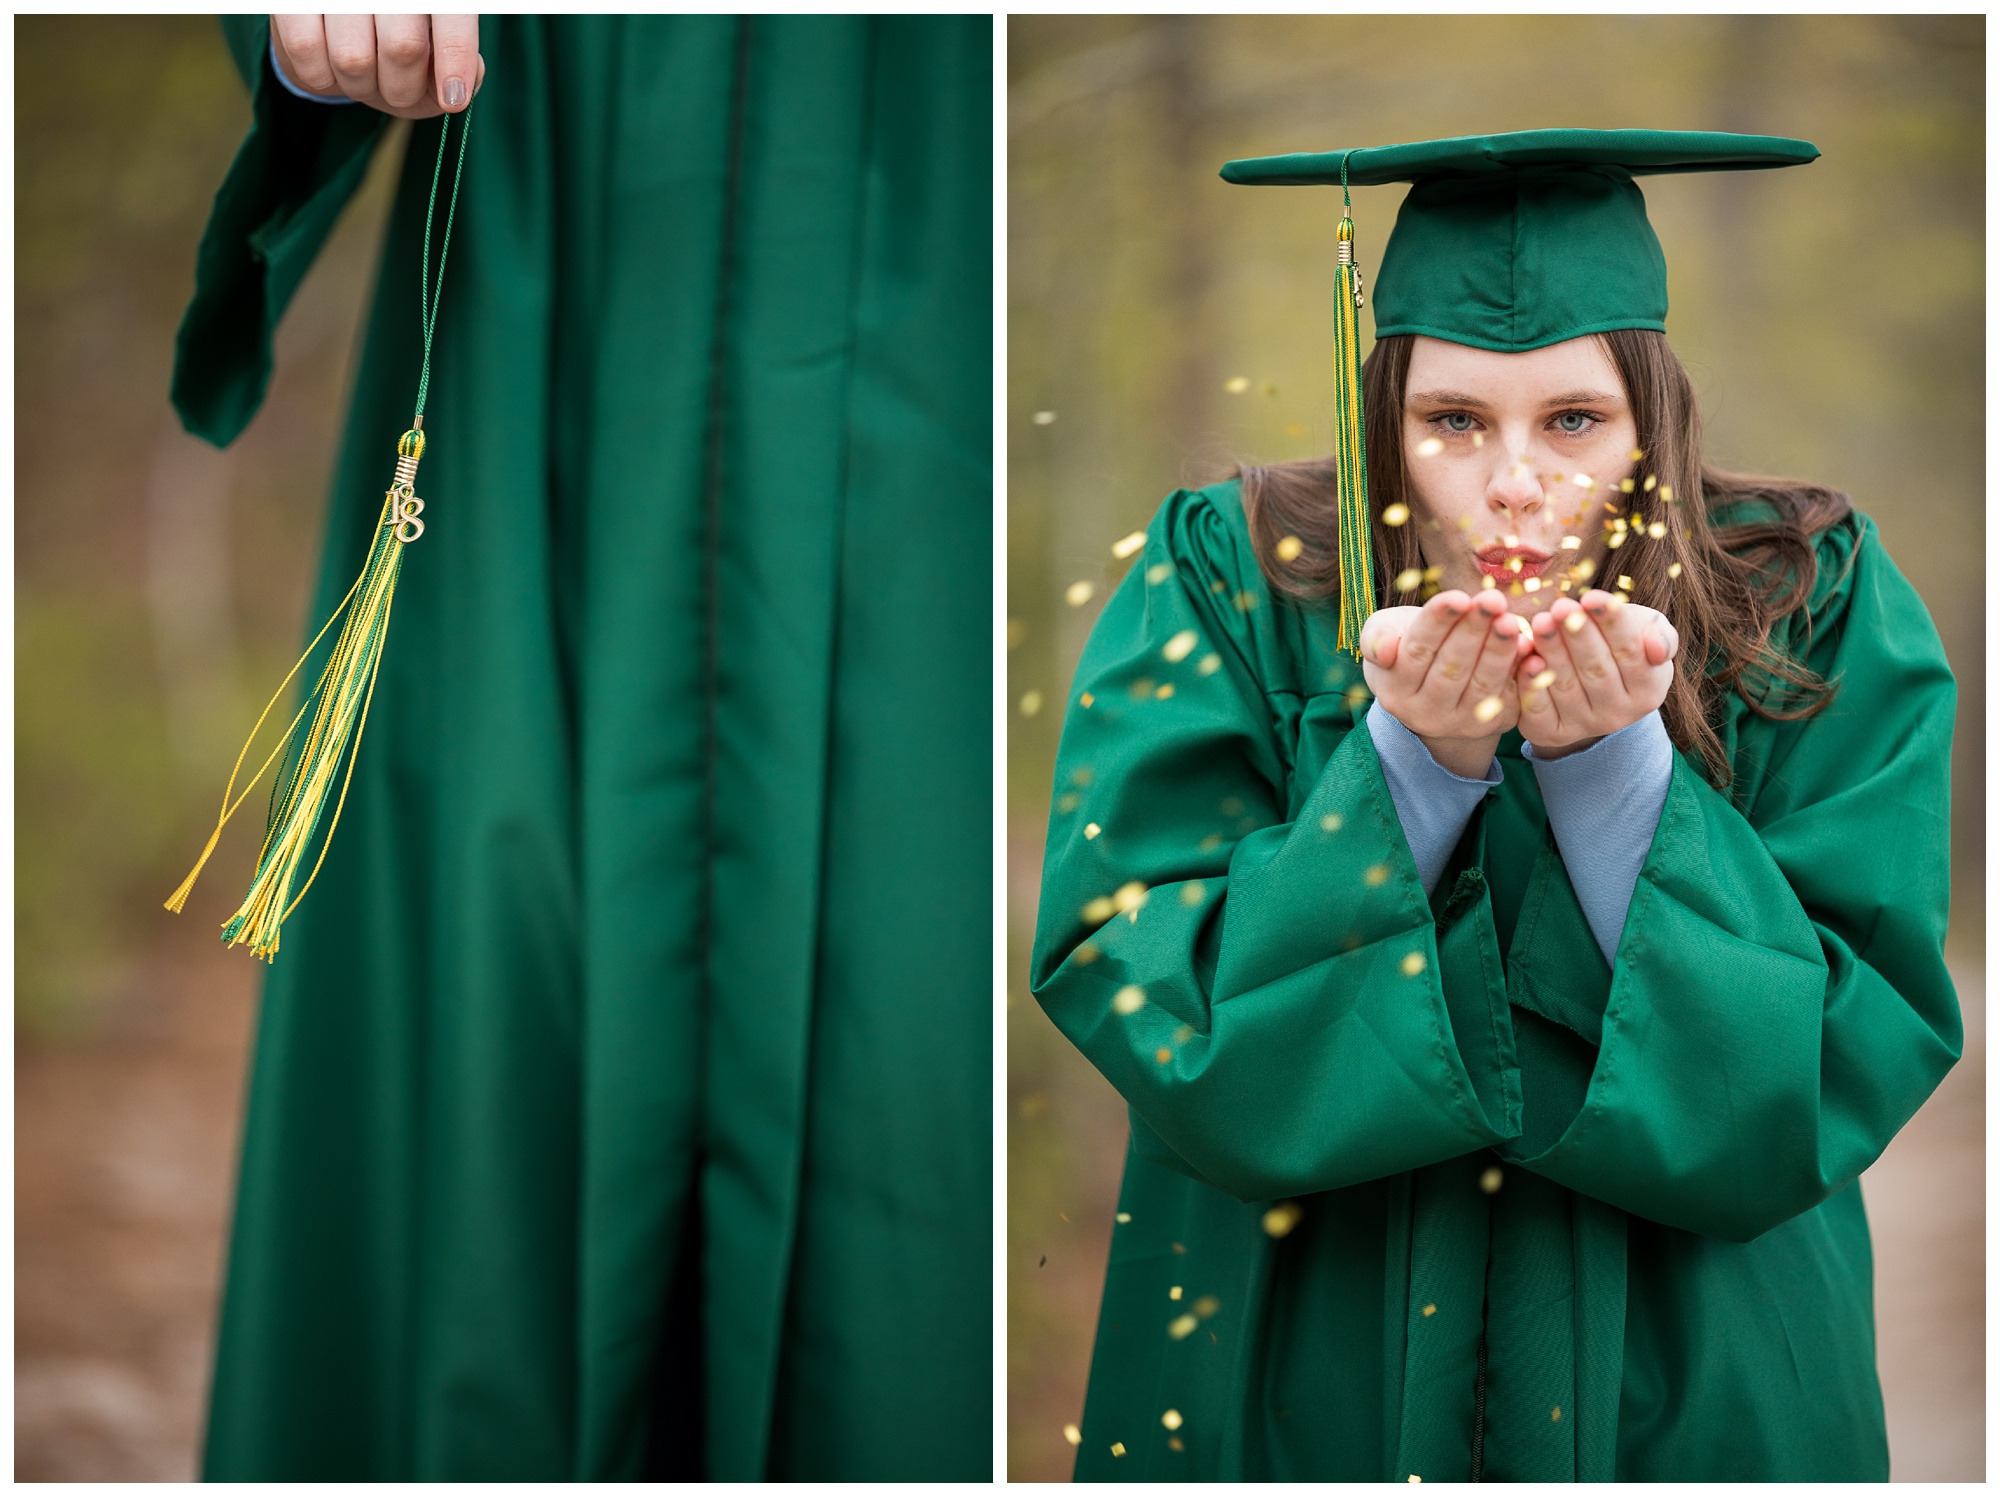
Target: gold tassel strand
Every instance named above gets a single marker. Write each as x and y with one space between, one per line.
339 704
1350 445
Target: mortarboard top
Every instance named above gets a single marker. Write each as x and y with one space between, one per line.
1513 242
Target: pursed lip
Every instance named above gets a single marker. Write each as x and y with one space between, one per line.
1495 561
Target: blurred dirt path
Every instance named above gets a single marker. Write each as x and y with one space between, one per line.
124 1164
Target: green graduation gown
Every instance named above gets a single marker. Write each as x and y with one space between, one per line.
620 1102
1672 1279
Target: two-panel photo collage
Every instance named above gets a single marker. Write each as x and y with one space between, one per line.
1066 747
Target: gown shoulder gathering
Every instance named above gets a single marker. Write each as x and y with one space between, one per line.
1423 1187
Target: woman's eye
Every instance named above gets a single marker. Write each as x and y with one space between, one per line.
1575 423
1457 421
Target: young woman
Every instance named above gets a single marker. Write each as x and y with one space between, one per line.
1507 1013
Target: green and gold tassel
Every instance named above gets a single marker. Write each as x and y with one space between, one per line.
1350 443
335 711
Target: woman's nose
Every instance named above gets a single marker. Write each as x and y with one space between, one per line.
1515 487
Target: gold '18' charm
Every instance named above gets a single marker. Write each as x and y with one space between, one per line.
404 505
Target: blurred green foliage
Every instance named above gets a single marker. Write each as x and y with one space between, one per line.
159 587
1832 317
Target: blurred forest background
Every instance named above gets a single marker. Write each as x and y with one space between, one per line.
160 589
1164 325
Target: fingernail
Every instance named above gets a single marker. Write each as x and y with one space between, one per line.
454 93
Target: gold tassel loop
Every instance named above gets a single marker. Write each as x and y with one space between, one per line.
1350 447
338 707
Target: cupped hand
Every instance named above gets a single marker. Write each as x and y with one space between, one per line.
414 67
1596 666
1446 672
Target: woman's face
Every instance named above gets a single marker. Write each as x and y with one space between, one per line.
1512 458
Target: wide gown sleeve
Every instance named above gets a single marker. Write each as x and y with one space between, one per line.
1268 987
292 175
1779 1004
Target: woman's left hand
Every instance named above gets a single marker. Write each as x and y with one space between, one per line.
1596 667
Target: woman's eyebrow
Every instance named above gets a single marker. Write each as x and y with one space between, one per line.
1582 397
1443 397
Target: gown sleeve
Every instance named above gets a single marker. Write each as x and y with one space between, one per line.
1779 1004
292 175
1266 985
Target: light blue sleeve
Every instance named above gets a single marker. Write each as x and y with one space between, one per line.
1432 803
1604 806
297 92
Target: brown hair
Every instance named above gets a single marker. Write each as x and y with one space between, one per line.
1735 583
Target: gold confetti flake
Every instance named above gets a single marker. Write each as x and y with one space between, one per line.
1358 697
1206 1306
1409 580
1433 574
1210 664
1570 543
1377 876
1616 539
1556 1414
1130 1000
1280 1219
1487 710
1181 645
1237 385
1657 529
1583 480
1414 964
1122 1218
1584 570
1159 572
1430 1310
1016 632
1034 1105
1130 896
1085 700
1543 680
1674 570
1414 1479
1211 842
1068 802
1289 548
1330 822
1479 439
1163 1055
1636 455
1667 492
1045 418
1625 486
1514 565
1174 1443
1164 692
1625 582
1652 482
1396 514
1140 689
1181 1327
1178 1247
1031 703
1087 953
1194 893
1430 447
1072 1434
1118 1448
1129 545
1531 585
1218 586
1232 805
1183 1034
1175 1292
1090 832
1515 590
1294 429
1100 910
1574 622
1490 1180
1079 593
1171 1419
1245 601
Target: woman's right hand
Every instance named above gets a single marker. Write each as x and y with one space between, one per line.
414 67
1445 671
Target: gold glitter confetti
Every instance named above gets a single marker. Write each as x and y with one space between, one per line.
1165 691
1625 486
1174 1443
1280 1219
1079 593
1430 1310
1515 590
1237 385
1667 492
1414 1479
1211 842
1574 622
1179 647
1487 710
1031 703
1085 700
1130 544
1175 1292
1636 455
1490 1181
1570 543
1245 601
1531 585
1122 1217
1556 1414
1091 831
1130 896
1171 1419
1163 1055
1479 439
1034 1105
1159 572
1377 876
1583 480
1615 539
1045 418
1069 802
1140 689
1433 574
1357 697
1072 1434
1100 910
1652 479
1130 1000
1087 953
1181 1327
1178 1247
1293 429
1396 514
1232 805
1289 548
1430 447
1625 582
1218 586
1118 1449
1183 1034
1408 580
1206 1306
1194 893
1657 529
1674 570
1514 565
1543 680
1016 632
1584 570
1330 822
1210 664
1414 964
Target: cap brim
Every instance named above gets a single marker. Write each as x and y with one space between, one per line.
1640 152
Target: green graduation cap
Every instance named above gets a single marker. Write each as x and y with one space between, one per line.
1507 242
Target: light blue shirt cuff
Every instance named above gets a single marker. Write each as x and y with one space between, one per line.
1604 805
297 92
1432 803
